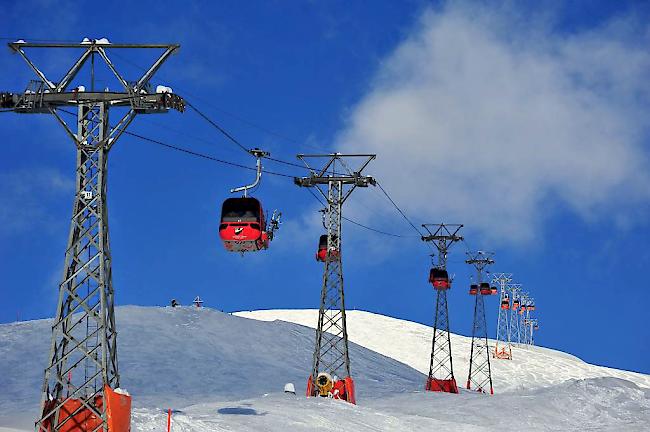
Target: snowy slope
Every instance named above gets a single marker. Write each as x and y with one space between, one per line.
174 357
410 343
225 373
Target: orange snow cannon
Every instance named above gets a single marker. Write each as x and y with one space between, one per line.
326 386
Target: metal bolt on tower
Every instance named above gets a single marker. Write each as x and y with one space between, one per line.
480 372
441 370
82 371
331 358
503 348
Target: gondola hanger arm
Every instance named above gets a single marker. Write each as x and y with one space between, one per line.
258 154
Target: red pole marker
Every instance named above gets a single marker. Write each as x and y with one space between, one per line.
169 420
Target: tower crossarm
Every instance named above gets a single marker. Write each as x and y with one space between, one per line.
45 96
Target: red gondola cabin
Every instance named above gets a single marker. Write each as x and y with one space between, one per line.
473 289
243 228
515 304
493 290
485 288
321 255
505 303
439 279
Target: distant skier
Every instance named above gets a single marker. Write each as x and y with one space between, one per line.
174 303
198 302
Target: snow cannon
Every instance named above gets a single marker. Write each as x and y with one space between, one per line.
326 386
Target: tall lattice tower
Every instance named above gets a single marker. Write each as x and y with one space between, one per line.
534 326
523 319
503 348
480 371
331 358
441 369
82 374
513 330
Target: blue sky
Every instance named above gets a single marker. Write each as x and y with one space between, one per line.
525 123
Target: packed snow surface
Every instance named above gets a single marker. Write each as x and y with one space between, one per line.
221 372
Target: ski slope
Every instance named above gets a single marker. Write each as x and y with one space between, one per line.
223 372
410 343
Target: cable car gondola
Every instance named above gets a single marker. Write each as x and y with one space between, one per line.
439 278
505 303
243 226
473 289
493 290
321 255
515 304
485 288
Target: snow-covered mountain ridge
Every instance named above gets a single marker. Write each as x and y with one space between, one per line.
222 372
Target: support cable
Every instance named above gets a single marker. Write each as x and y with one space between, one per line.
400 210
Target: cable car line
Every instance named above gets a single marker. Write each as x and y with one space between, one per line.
235 141
219 128
399 210
228 113
202 155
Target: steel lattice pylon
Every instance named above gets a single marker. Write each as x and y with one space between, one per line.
513 329
480 371
503 348
441 368
82 369
331 349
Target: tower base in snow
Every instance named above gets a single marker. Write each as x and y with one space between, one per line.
74 416
442 385
503 353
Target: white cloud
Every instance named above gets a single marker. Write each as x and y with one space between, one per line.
480 119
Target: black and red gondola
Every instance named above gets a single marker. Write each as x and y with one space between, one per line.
473 289
505 303
439 278
321 254
244 226
493 290
515 304
485 289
